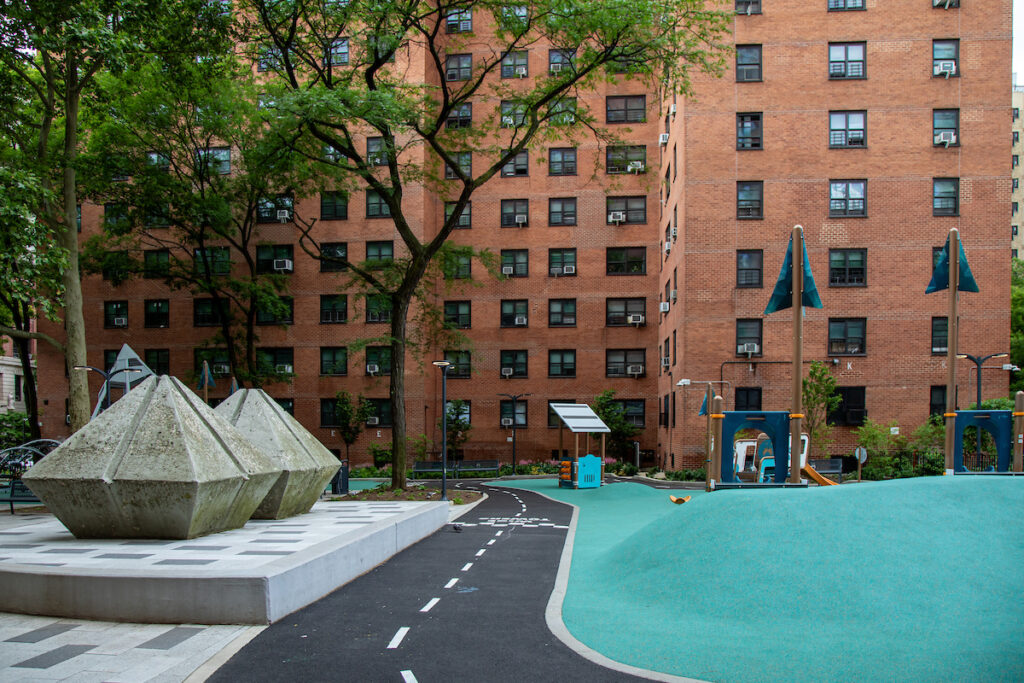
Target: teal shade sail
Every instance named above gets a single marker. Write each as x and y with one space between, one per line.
704 405
782 295
940 276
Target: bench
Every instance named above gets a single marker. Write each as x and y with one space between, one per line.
427 467
17 492
477 466
828 466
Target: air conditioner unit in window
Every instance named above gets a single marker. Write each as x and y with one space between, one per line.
945 4
568 270
372 368
568 320
664 307
507 372
283 369
635 319
636 167
327 316
673 295
465 26
521 71
672 109
556 68
520 320
634 369
665 361
508 270
120 322
508 121
939 349
748 348
284 215
946 137
373 317
452 75
283 264
373 420
668 247
616 216
663 139
220 369
675 233
521 219
945 68
506 422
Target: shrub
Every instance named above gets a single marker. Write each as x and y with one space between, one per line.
14 429
381 455
686 475
629 470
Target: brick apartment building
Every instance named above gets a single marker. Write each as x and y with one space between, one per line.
633 268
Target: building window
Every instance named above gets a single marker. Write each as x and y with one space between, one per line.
463 164
280 361
380 252
749 267
109 358
626 210
847 129
946 197
562 161
376 207
553 420
207 312
1014 208
621 312
852 410
847 267
560 60
158 313
562 363
333 257
846 336
940 334
458 67
845 5
280 312
945 4
562 111
458 314
513 114
1014 229
460 116
846 60
337 53
115 314
626 108
515 213
333 206
514 313
748 131
562 262
748 398
633 411
515 262
562 211
945 127
749 199
562 313
333 308
514 361
461 365
626 261
517 166
378 308
1014 161
217 359
513 413
378 360
215 160
937 400
459 21
748 63
158 360
514 64
380 408
329 416
457 267
748 337
333 361
847 198
465 219
1016 137
212 261
275 258
156 263
269 59
626 159
945 58
376 155
625 362
748 7
116 217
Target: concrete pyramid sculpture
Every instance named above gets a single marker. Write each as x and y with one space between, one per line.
306 466
159 463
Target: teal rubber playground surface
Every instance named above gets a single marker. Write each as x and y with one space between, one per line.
912 580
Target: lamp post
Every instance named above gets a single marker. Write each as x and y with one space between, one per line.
444 365
514 398
978 361
709 395
106 379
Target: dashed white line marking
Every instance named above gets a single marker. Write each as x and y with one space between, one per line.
500 533
451 583
490 542
518 514
427 607
468 565
481 552
397 640
408 677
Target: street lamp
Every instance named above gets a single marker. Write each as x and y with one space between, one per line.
106 379
709 395
514 397
444 365
978 361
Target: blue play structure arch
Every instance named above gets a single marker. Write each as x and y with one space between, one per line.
774 423
998 423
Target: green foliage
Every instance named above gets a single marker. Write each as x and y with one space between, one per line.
381 454
686 475
819 399
350 416
458 427
1017 324
895 456
529 468
14 429
613 415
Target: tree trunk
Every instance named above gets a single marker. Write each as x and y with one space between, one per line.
74 320
22 320
399 327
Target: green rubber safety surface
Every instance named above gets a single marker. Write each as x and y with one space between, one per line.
916 579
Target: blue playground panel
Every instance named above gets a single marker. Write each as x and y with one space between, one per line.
774 423
998 423
589 473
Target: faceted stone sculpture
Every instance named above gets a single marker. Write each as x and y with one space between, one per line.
159 463
306 466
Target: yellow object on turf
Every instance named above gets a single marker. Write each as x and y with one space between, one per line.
678 501
816 476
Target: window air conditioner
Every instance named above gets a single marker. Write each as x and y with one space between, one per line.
284 215
508 121
748 347
939 349
672 109
664 361
373 317
327 316
675 233
556 68
283 369
520 320
663 139
668 247
664 307
508 270
283 264
946 137
945 68
465 26
616 216
507 372
673 295
372 368
221 369
521 71
636 167
373 420
521 219
568 320
120 322
635 319
506 422
568 270
634 369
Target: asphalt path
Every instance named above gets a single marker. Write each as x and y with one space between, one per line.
465 604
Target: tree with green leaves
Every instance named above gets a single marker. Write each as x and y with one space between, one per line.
613 414
819 398
337 72
350 416
1017 324
458 425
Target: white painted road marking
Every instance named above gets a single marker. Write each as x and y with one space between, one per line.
397 640
408 677
468 565
490 542
499 533
427 607
451 583
481 552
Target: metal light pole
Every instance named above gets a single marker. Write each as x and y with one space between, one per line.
444 365
106 379
515 397
978 361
